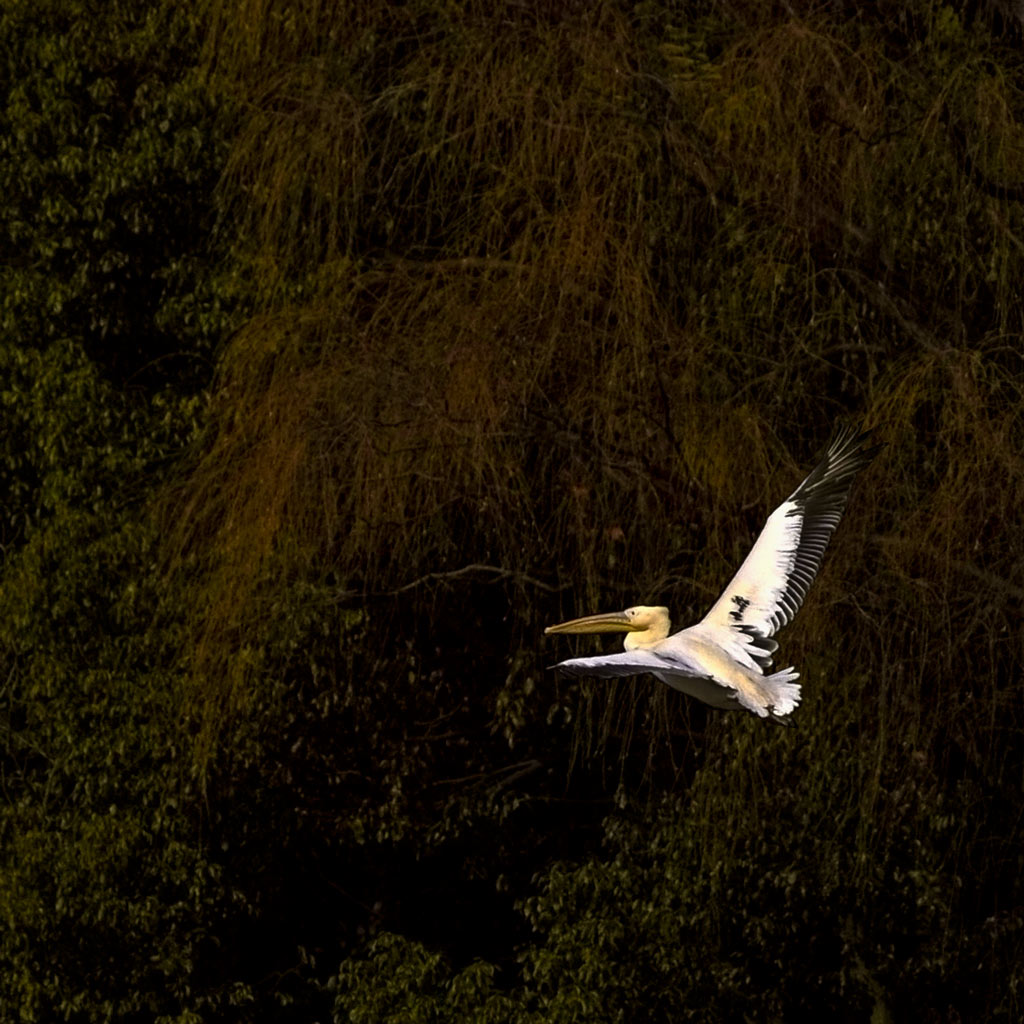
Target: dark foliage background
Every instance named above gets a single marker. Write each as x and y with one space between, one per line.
347 345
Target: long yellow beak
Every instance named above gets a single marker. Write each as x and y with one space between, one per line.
606 622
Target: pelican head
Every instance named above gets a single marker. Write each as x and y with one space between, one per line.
646 625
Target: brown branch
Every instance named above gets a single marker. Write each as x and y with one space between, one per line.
495 572
987 577
996 189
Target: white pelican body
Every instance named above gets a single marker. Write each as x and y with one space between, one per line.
723 660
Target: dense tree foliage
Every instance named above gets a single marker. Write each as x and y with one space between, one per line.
346 345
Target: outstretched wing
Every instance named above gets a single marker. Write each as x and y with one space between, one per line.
774 578
699 668
629 663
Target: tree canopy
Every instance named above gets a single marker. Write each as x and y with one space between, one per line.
346 346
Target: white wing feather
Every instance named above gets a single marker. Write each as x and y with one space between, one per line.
773 580
630 663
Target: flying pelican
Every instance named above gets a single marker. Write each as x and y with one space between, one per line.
724 659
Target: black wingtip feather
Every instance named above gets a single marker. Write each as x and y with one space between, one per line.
761 647
820 502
